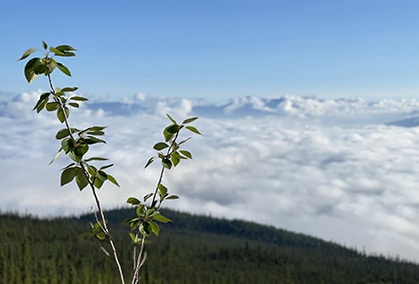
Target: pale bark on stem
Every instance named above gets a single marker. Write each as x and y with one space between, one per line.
103 226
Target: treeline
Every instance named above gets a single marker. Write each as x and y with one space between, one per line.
192 249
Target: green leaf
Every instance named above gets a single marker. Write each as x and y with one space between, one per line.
166 163
154 228
150 212
133 201
140 210
65 47
41 69
77 153
81 179
64 69
78 98
67 144
27 53
147 196
186 153
162 190
67 175
93 140
95 159
134 237
150 161
62 114
62 133
175 157
174 128
96 128
69 89
145 228
56 51
43 99
172 197
189 120
96 132
97 182
63 50
193 129
113 180
76 105
171 119
51 106
100 236
56 155
44 45
29 69
160 146
161 218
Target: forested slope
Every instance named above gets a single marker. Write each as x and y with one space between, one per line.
192 249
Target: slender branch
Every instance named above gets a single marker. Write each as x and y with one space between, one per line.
163 168
139 261
102 224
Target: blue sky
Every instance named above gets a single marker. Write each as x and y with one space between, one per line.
221 49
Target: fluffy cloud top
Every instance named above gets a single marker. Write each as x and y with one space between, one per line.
342 170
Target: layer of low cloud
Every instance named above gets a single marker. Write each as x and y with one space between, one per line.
333 169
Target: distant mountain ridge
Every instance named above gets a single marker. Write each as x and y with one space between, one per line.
392 112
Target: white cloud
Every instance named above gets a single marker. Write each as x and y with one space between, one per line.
326 173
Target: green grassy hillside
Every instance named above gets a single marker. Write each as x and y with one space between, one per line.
192 249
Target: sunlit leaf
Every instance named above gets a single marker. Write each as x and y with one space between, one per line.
160 146
189 120
161 218
166 163
193 129
162 189
43 99
63 113
100 236
171 119
78 98
29 69
51 106
154 228
65 47
69 89
133 201
113 180
57 51
175 157
172 197
62 133
56 156
67 175
186 153
64 69
145 228
81 179
150 161
27 53
95 159
140 210
174 128
67 144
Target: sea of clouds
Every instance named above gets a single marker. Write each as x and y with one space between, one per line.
343 170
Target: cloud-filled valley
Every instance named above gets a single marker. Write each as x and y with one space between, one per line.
343 170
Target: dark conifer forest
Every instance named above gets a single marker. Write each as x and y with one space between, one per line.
191 249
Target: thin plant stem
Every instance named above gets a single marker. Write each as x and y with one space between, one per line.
102 224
